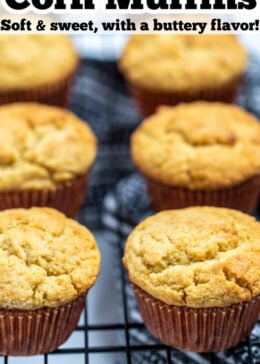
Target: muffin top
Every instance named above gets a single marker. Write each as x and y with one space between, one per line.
196 257
167 62
42 146
29 61
198 146
46 259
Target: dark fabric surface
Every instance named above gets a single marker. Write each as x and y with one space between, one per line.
100 97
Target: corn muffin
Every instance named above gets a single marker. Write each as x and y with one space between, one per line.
36 68
200 154
169 68
196 276
45 157
48 264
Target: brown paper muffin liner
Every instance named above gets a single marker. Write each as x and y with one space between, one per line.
31 332
242 197
197 329
66 197
52 94
149 100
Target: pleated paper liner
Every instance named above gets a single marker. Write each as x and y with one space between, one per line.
52 94
242 197
66 197
32 332
148 100
197 329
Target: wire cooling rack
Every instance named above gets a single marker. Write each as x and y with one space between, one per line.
100 97
124 208
136 345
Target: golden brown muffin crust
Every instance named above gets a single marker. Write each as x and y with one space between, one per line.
198 146
196 257
167 62
29 61
46 259
42 146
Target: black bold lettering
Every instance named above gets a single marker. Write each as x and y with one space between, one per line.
54 26
247 4
89 4
231 4
175 4
5 24
77 4
42 6
157 4
205 5
219 5
60 5
17 5
191 4
144 26
124 4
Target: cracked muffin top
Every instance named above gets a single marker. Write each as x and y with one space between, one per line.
167 62
196 257
198 146
29 61
46 259
42 146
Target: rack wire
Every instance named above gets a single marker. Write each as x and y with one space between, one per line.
112 115
250 347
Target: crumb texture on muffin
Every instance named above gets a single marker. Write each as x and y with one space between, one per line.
198 146
182 62
29 61
196 257
46 259
42 146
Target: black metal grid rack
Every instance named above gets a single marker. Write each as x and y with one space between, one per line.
246 352
100 97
